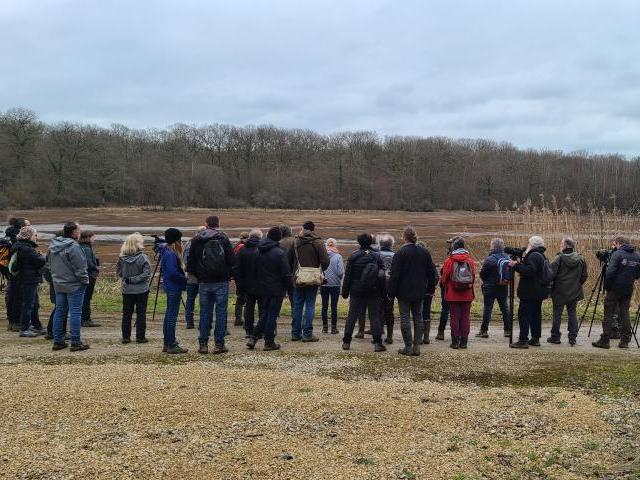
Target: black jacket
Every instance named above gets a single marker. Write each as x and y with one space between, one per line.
194 260
490 276
272 269
413 274
30 262
92 261
352 284
623 270
244 271
12 233
531 273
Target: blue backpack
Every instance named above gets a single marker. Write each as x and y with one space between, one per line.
505 273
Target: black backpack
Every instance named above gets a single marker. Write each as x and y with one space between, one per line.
213 260
546 277
370 274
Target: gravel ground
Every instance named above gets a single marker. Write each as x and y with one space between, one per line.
313 411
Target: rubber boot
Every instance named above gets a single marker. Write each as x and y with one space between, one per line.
427 332
440 335
463 342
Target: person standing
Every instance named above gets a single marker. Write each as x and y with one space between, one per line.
211 261
533 289
444 306
134 269
308 252
241 296
192 286
68 266
244 272
622 272
286 244
12 293
87 239
413 274
386 242
30 263
363 287
274 278
494 289
330 289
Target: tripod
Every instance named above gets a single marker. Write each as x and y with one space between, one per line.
512 295
158 270
634 327
598 291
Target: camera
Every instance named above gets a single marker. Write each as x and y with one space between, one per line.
157 242
604 255
515 252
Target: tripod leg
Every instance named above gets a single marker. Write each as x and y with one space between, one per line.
155 302
511 305
600 286
634 330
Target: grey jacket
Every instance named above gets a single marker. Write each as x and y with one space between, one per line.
135 272
67 264
334 273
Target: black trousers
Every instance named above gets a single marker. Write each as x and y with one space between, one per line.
617 303
250 302
137 301
13 301
356 306
86 302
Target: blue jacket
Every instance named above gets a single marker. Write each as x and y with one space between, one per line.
623 270
173 277
335 271
490 275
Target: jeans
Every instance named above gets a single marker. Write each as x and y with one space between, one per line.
617 303
444 313
170 319
241 300
137 301
269 308
356 306
29 307
52 298
530 317
460 318
213 295
190 303
86 303
407 311
72 303
333 294
250 302
304 298
489 300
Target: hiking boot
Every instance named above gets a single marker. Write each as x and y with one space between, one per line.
90 323
534 342
190 326
59 346
346 346
220 349
388 340
601 343
407 351
440 335
520 345
379 347
623 344
334 330
124 341
555 341
325 329
251 343
28 334
268 347
78 347
203 348
507 333
359 335
142 340
482 334
572 342
455 342
463 342
295 338
426 341
310 339
176 350
164 349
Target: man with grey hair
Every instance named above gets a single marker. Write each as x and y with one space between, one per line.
494 288
245 277
569 270
386 241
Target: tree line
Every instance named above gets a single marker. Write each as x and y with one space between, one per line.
73 164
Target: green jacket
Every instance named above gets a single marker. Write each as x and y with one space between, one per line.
569 274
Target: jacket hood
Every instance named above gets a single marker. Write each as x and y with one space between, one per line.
267 244
208 234
59 244
571 260
252 242
307 236
460 255
628 248
132 258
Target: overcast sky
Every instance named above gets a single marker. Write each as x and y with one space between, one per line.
544 74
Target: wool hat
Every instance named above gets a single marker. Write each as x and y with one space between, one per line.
26 233
275 234
172 235
309 225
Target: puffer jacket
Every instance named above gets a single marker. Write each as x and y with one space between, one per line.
452 294
334 273
67 264
531 272
174 279
310 250
352 285
135 272
30 262
623 270
569 270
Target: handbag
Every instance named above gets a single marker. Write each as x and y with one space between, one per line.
307 276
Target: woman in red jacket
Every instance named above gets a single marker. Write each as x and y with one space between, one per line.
458 278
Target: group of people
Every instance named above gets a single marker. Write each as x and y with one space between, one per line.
268 269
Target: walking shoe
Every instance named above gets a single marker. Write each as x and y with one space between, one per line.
440 335
190 326
455 342
90 323
125 341
572 342
507 333
28 334
142 340
388 340
59 346
379 347
203 349
220 349
346 345
623 344
463 342
482 334
601 343
359 335
407 351
334 330
520 345
555 341
426 341
534 342
78 347
310 339
176 350
295 338
38 331
325 329
268 347
251 343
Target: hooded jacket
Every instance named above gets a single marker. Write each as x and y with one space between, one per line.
452 294
135 272
623 270
173 276
67 264
490 275
569 270
352 285
244 270
334 273
413 273
93 262
272 269
11 233
531 272
30 262
194 261
311 251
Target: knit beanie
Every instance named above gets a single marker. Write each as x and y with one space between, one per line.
172 235
26 233
275 234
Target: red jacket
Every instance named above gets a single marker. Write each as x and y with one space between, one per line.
239 246
452 294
